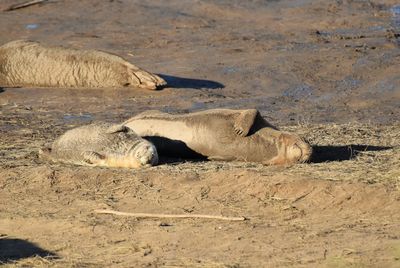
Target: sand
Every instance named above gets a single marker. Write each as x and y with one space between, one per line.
325 70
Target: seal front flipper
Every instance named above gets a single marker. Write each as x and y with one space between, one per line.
244 121
144 79
93 158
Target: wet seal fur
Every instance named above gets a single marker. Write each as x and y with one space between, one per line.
220 134
30 64
102 144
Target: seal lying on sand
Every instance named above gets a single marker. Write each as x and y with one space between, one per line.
220 134
102 144
26 63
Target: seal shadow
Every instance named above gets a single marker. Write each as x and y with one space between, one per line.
174 151
13 249
180 82
341 153
1 89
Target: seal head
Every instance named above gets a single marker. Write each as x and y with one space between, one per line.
145 152
291 149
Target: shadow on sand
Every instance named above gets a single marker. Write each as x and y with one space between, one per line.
13 249
1 90
174 151
341 153
180 82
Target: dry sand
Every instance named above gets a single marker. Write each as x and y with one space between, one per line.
327 70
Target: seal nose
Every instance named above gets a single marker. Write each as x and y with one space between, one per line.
297 150
147 154
306 151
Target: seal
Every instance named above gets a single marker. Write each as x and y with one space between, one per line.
30 64
102 144
220 134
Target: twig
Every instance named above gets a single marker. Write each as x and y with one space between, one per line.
150 215
23 5
303 195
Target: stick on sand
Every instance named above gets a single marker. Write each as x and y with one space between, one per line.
150 215
26 4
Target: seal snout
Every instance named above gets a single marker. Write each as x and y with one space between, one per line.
146 154
297 150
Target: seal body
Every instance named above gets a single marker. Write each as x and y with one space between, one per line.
30 64
220 134
102 144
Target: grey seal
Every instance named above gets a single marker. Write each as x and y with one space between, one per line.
102 144
31 64
220 134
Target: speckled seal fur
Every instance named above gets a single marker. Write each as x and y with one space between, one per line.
30 64
102 144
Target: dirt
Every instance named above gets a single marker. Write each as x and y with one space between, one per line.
327 70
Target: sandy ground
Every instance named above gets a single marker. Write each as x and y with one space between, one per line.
327 70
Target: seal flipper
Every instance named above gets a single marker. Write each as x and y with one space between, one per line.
93 158
244 121
147 80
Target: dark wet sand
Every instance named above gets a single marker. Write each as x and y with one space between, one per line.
308 60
